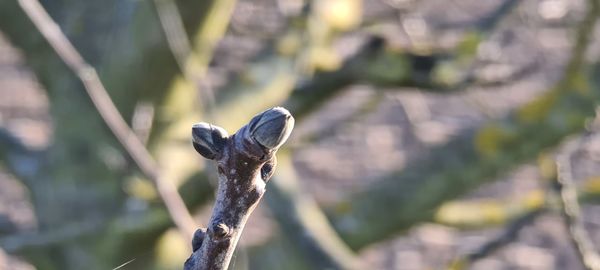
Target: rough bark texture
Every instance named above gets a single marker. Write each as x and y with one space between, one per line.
245 162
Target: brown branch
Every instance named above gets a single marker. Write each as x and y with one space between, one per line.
177 39
245 162
111 116
402 199
377 65
181 48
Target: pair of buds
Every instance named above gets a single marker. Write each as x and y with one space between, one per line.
270 129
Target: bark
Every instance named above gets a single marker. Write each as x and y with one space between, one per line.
245 162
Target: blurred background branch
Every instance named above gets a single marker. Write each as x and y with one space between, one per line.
471 158
111 116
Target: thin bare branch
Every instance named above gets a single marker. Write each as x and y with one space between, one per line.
571 211
181 47
172 24
106 108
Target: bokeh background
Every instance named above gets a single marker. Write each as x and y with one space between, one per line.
427 132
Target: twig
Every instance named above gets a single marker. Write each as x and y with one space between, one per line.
245 162
571 211
181 47
109 113
172 24
509 234
124 264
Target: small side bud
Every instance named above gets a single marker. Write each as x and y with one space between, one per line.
272 127
208 140
267 170
198 238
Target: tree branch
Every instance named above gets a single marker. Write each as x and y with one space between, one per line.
130 76
245 162
106 108
376 65
401 199
193 68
